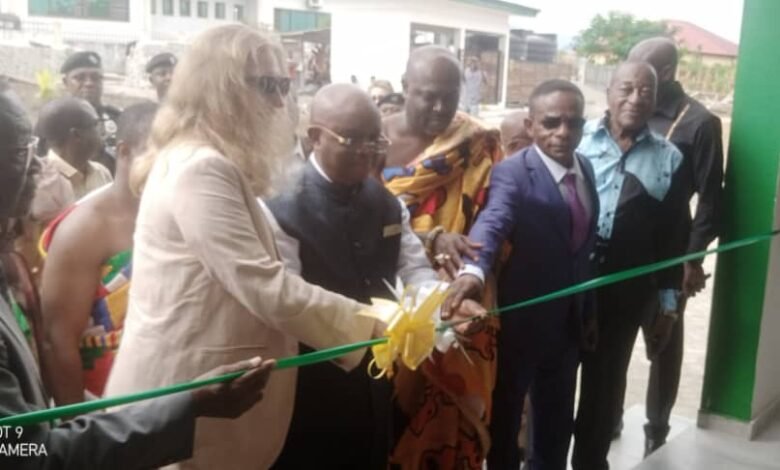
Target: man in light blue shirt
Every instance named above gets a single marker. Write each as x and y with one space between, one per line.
642 210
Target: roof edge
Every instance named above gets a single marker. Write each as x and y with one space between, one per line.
504 6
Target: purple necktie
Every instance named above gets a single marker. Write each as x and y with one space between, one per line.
579 218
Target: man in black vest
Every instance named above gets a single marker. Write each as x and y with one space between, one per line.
344 231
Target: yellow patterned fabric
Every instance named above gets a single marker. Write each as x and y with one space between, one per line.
448 399
446 185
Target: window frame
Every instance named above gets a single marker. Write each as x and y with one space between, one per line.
202 3
220 6
79 10
168 3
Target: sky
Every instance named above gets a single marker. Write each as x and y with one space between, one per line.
567 17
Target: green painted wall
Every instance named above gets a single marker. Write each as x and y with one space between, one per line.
751 183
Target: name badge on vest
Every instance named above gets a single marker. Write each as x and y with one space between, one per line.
391 230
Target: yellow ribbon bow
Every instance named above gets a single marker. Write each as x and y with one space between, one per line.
411 332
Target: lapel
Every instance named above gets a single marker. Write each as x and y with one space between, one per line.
545 187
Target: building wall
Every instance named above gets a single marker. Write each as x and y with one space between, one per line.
66 28
766 392
371 38
142 23
368 38
180 28
718 60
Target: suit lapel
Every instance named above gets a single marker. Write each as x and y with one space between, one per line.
546 188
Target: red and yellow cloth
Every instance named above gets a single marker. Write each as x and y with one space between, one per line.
448 399
100 341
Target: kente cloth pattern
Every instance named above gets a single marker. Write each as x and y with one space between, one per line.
448 399
100 340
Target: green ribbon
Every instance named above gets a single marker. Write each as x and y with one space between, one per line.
324 355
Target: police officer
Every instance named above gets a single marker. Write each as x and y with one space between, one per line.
160 70
82 75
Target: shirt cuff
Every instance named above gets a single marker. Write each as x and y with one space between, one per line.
474 270
668 299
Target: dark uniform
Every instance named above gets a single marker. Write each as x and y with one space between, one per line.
108 115
160 60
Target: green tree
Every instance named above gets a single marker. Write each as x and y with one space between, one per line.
611 37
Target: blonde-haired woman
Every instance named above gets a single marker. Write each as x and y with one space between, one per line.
208 287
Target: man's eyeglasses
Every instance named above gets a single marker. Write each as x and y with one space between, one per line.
380 144
551 123
270 85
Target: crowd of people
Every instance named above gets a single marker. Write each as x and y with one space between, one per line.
215 239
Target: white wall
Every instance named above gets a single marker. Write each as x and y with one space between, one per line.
766 391
110 31
142 24
371 37
181 28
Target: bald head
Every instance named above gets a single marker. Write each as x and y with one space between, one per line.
428 61
345 111
343 104
59 116
660 53
631 96
70 127
627 70
432 84
514 135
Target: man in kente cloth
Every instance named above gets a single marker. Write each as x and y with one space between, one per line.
439 164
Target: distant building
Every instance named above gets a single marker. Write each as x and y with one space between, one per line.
710 47
372 38
533 47
325 39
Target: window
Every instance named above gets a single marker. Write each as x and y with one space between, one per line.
238 12
167 7
117 10
154 7
219 10
203 9
184 8
286 21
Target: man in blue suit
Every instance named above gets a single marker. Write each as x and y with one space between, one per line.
542 201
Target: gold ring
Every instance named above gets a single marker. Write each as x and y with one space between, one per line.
441 258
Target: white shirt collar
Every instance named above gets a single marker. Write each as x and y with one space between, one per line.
315 161
557 170
298 150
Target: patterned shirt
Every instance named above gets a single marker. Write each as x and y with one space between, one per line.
652 160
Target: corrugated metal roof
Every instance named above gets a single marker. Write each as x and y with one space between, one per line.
697 39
